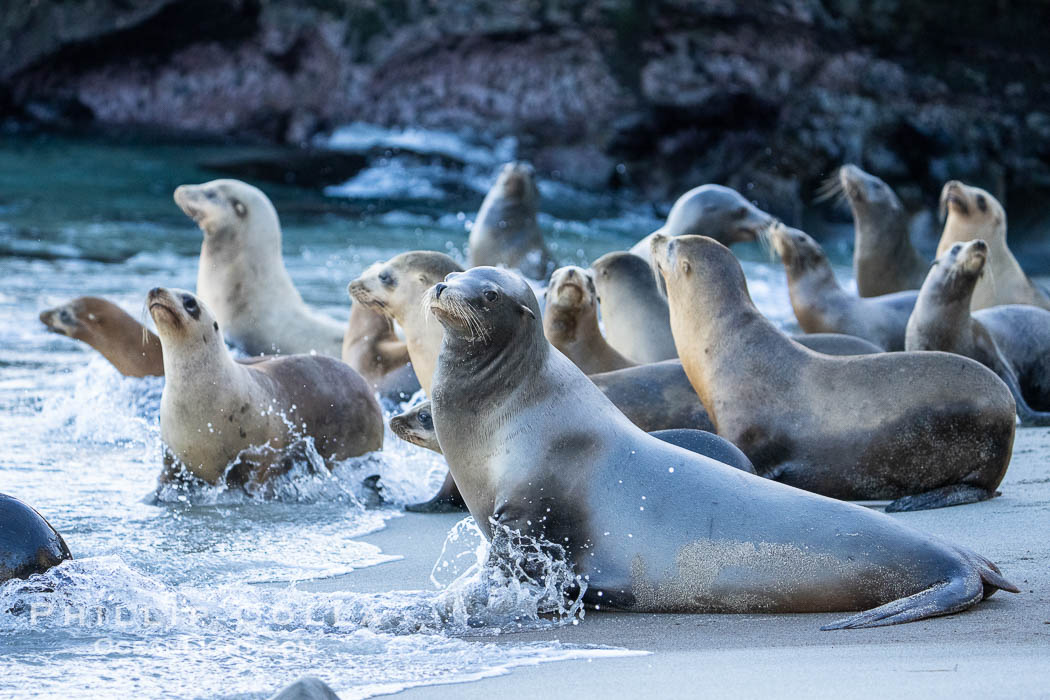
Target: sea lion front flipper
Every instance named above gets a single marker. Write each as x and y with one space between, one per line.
954 495
446 500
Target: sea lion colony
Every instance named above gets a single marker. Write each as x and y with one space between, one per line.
815 415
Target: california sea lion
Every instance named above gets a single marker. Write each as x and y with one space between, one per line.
375 352
927 429
213 408
505 231
711 210
942 321
648 526
634 311
973 213
884 259
570 322
28 543
395 289
132 348
241 273
822 306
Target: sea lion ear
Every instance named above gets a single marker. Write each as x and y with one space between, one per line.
527 311
239 208
686 267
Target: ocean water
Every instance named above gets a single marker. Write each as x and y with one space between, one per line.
162 575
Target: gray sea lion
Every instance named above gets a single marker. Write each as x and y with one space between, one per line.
132 348
973 213
214 409
647 526
710 210
28 543
926 429
395 289
822 306
942 321
375 352
505 231
634 311
836 344
306 688
884 259
241 274
570 322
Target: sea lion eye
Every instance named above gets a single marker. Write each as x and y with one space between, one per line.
65 316
981 203
741 212
386 278
190 304
239 208
425 420
491 295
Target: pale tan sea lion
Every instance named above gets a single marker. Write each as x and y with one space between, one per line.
214 409
973 213
884 259
822 306
241 274
648 526
634 311
570 322
505 231
926 429
131 347
942 321
395 289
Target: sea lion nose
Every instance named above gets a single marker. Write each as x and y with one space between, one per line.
155 292
438 288
980 245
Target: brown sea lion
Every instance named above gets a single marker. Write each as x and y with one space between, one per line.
131 347
505 231
570 322
373 349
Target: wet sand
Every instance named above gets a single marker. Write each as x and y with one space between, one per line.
999 649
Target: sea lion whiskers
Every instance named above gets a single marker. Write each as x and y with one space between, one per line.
764 236
459 309
830 189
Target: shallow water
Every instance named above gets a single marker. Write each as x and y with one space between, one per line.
155 580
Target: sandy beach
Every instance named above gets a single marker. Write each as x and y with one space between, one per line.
1000 649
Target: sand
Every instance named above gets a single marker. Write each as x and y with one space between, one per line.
1000 649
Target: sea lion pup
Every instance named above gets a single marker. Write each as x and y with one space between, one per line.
505 231
942 321
375 352
395 289
822 306
416 426
711 210
241 273
650 527
570 322
213 408
129 346
884 259
634 311
28 543
926 429
973 213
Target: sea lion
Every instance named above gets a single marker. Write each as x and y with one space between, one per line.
973 213
395 288
373 349
570 322
634 311
822 306
213 409
942 321
884 259
28 543
129 346
416 425
926 429
711 210
241 274
505 231
647 526
836 344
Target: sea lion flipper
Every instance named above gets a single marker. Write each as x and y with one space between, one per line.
943 598
446 500
954 495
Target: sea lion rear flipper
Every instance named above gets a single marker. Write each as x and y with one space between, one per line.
954 495
943 598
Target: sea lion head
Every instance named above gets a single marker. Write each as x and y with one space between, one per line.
971 210
393 286
571 297
80 318
621 267
487 307
955 274
867 194
719 212
796 249
416 425
230 209
698 269
517 181
181 317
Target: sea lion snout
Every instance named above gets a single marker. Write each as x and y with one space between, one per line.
438 288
